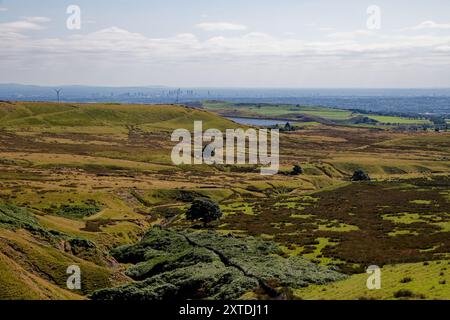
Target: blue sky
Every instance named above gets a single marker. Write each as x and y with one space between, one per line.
285 43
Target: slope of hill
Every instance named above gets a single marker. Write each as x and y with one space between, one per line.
78 180
23 114
40 238
34 259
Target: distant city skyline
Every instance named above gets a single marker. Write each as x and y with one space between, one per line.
253 44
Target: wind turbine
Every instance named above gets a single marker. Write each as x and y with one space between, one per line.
58 92
178 96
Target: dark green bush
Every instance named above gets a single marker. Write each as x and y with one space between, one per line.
77 211
406 280
297 170
360 175
206 265
205 210
403 293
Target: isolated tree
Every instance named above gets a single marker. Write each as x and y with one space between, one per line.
205 210
297 170
288 127
360 175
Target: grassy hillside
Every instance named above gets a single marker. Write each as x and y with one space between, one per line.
78 180
428 280
26 114
34 259
19 284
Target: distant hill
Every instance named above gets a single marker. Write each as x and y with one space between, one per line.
424 101
84 115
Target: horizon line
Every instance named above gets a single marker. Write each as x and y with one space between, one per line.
228 87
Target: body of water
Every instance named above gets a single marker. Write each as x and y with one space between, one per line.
257 122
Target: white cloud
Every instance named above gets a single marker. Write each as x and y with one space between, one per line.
112 49
3 9
326 29
24 25
430 25
352 34
443 49
37 19
221 26
115 40
115 43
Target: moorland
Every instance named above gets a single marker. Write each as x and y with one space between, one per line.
93 185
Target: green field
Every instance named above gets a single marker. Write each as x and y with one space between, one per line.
312 113
399 120
268 110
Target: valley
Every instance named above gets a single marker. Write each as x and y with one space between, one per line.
94 185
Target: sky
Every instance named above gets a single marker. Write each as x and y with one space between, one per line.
227 43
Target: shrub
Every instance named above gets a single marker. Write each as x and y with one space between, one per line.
205 210
297 170
13 218
77 211
406 280
360 175
403 293
186 264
